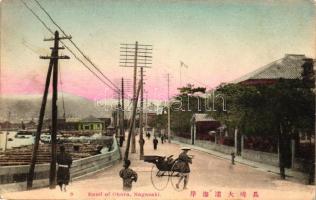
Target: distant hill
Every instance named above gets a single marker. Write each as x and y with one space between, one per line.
26 107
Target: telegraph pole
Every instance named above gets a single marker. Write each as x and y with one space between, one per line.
141 136
131 125
7 133
118 114
169 134
181 65
53 68
146 118
135 55
123 109
125 91
52 173
134 99
39 126
141 113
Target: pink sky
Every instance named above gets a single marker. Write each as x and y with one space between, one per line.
86 85
218 40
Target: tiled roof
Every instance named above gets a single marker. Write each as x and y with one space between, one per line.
91 119
289 67
72 119
202 117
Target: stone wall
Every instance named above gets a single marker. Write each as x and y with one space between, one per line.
257 156
207 145
81 167
181 139
262 157
247 154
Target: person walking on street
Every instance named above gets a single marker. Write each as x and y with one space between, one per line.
121 140
162 139
148 135
141 141
155 141
64 162
128 175
183 167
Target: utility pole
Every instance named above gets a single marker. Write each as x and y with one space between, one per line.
134 99
141 121
126 92
118 114
123 109
52 173
53 68
7 133
131 125
141 113
135 55
39 126
169 134
146 118
181 65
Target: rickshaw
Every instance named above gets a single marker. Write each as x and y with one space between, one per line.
164 170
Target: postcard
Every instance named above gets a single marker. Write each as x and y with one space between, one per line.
157 99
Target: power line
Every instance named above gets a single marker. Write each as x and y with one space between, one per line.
80 51
88 67
43 23
50 30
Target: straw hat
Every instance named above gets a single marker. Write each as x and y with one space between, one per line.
185 148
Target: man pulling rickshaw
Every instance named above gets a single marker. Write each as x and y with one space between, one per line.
183 166
174 169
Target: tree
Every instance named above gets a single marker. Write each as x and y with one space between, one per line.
308 74
282 110
160 121
186 103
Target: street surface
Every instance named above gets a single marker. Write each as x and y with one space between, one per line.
211 178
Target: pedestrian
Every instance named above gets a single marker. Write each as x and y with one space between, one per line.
183 167
64 162
162 139
128 175
148 135
121 140
142 141
155 141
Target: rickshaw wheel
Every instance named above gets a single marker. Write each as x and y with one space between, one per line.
159 179
175 176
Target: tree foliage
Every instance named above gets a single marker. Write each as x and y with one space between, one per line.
187 102
260 110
